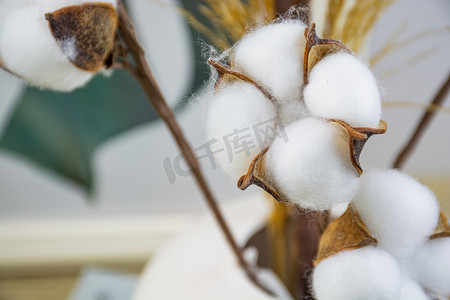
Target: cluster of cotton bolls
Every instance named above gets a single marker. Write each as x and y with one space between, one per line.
308 160
406 264
47 56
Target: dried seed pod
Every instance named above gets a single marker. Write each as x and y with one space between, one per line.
358 138
28 50
85 33
345 233
327 46
257 175
443 227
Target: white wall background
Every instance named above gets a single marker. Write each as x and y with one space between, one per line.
129 169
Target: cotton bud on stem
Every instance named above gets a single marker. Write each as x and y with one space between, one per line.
87 44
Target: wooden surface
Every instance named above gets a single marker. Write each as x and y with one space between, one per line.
46 288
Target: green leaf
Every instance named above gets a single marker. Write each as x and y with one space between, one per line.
60 131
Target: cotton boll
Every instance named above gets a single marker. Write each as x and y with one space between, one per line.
240 123
29 50
410 290
273 56
342 87
399 212
430 266
366 273
312 166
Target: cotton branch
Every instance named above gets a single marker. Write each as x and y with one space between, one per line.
143 74
427 117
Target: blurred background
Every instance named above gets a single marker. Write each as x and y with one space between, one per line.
86 191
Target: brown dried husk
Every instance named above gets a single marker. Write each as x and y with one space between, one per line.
348 232
94 41
442 229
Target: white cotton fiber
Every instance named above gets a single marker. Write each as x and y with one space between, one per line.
400 212
313 168
272 56
29 50
342 87
46 6
430 266
410 290
361 274
291 112
240 123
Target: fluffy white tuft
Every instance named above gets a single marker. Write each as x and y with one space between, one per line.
410 290
46 6
342 87
313 168
29 50
366 273
272 55
291 112
430 266
400 212
242 122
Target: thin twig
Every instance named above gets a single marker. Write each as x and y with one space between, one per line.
146 79
427 117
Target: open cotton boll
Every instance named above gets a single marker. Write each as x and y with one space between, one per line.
272 56
313 167
366 273
46 6
430 266
240 123
29 50
410 290
399 212
342 87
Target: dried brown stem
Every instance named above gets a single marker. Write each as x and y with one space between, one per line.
223 69
313 40
423 124
145 77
